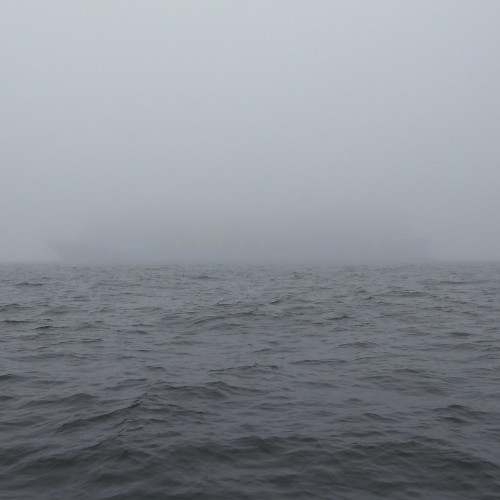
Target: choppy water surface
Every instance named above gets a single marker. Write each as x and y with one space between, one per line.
234 382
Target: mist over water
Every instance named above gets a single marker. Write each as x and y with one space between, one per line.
250 128
357 140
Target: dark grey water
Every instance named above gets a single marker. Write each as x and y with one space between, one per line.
234 382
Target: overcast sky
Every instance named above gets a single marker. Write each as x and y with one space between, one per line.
271 122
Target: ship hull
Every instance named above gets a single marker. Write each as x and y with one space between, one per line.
399 251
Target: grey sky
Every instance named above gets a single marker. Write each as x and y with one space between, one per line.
273 121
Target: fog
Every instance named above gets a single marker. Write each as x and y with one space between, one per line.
251 128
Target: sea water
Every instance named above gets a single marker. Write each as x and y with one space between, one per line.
250 382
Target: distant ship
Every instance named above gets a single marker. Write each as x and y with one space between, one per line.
102 252
398 250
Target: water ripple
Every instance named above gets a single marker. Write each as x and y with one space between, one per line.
223 382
